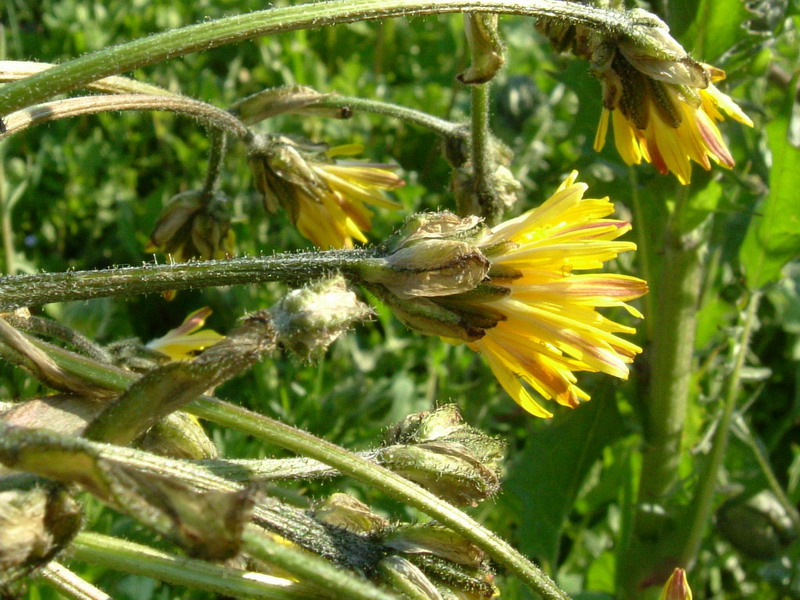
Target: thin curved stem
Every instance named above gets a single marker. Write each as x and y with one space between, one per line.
14 70
204 36
87 105
409 115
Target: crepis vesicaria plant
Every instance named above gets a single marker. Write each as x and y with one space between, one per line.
525 293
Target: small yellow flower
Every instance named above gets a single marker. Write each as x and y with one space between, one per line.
677 587
548 325
326 198
188 339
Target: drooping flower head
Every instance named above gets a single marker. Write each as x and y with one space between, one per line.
326 198
663 105
527 308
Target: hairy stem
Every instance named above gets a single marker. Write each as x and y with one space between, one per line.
344 461
42 288
204 36
87 105
409 115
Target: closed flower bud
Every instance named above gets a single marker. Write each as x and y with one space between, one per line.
429 267
485 46
309 319
348 513
194 224
446 456
677 587
408 579
35 525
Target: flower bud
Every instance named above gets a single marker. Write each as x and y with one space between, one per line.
485 45
430 268
408 579
759 527
446 456
428 538
676 587
342 510
194 224
308 320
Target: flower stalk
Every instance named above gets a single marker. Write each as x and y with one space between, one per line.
135 558
211 116
42 288
204 36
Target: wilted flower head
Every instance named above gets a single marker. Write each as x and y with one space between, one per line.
326 198
188 339
677 587
662 104
533 317
194 224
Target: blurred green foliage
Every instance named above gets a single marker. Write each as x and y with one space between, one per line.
91 189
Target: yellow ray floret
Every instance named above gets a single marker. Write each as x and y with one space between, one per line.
550 327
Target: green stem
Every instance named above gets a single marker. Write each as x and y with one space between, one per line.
381 478
14 70
346 462
68 584
216 158
481 154
704 496
42 288
87 105
204 36
178 570
6 229
643 249
409 115
671 369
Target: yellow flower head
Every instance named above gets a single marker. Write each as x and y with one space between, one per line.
522 302
662 104
326 198
188 339
549 326
664 123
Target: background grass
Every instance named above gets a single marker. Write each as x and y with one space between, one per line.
91 188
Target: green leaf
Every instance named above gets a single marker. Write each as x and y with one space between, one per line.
773 237
718 26
545 480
